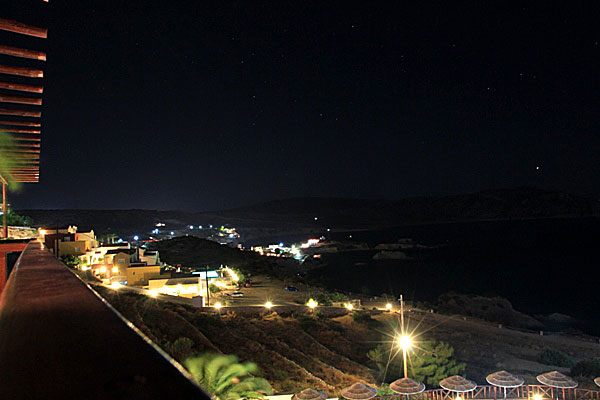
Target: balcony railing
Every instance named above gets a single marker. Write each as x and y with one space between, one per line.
487 392
60 340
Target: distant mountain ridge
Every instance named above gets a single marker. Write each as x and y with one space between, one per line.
516 203
339 213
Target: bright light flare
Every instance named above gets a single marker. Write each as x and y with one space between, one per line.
234 276
458 397
152 292
218 305
405 342
349 307
388 306
268 305
537 397
115 285
312 304
115 269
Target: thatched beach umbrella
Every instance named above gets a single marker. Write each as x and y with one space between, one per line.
504 380
310 394
458 384
359 391
597 381
557 380
407 386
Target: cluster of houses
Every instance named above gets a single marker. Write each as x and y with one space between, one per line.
124 264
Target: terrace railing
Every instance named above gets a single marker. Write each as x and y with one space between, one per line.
487 392
60 340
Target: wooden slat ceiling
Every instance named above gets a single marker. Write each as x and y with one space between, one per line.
22 123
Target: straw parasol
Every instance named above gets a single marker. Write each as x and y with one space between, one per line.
458 384
407 386
309 394
359 391
597 381
557 380
504 380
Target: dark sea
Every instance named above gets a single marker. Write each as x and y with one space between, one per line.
541 266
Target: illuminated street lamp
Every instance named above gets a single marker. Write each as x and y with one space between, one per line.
312 304
152 292
405 342
349 306
115 285
537 397
268 305
217 305
388 306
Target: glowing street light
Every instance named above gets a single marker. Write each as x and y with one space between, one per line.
537 397
218 305
312 304
152 292
388 306
349 306
268 305
115 269
115 285
136 238
405 343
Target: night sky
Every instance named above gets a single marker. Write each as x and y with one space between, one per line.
198 105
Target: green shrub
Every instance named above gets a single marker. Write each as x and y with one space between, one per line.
213 288
70 260
363 318
429 363
587 368
180 349
338 297
554 357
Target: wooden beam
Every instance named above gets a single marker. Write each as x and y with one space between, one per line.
20 123
35 131
20 113
23 53
17 27
22 71
21 87
36 101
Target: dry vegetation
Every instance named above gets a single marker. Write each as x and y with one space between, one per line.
296 351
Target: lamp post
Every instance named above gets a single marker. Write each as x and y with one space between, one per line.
405 343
